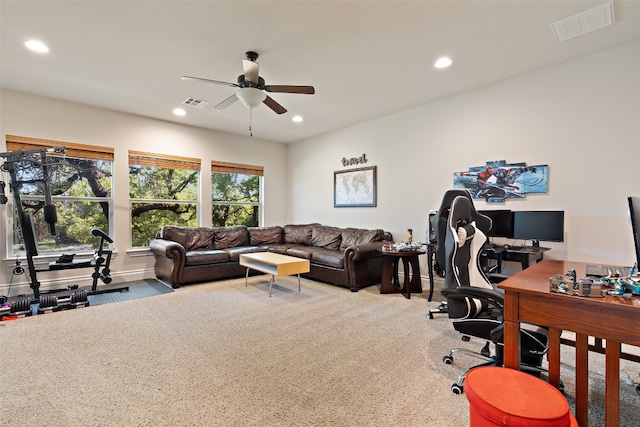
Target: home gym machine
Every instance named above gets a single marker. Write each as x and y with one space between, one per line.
48 301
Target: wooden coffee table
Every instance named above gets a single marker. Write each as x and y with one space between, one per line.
275 265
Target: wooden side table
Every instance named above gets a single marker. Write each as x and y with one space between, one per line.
390 281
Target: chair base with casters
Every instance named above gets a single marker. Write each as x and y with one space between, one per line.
533 367
485 354
441 309
488 324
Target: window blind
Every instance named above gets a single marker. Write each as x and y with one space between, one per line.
84 151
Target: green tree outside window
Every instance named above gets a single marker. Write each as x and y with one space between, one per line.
163 190
235 195
80 183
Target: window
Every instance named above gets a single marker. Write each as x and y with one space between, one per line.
78 181
235 194
163 190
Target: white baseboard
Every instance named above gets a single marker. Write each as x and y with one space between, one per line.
20 285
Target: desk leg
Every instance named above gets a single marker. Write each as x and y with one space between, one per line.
553 356
582 379
612 382
430 262
511 330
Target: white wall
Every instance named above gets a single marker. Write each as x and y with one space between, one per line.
581 118
38 117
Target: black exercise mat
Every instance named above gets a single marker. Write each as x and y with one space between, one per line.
139 289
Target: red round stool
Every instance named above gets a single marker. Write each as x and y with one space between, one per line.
507 397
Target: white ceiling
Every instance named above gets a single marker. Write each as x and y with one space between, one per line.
365 59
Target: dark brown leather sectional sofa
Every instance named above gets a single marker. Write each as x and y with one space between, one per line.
347 257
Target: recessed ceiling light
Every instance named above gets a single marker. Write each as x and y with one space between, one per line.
443 62
37 46
297 119
179 112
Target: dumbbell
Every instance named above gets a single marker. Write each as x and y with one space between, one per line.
47 303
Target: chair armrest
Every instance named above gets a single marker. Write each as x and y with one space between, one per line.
497 277
491 296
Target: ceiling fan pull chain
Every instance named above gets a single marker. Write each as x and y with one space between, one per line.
250 122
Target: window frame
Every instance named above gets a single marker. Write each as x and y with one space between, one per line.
242 169
74 150
164 161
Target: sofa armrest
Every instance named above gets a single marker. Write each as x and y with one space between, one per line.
169 249
362 262
171 259
363 251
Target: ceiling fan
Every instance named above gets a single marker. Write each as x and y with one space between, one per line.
252 89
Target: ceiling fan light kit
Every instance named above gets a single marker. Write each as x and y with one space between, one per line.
252 90
251 97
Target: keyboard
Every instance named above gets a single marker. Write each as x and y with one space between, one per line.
607 270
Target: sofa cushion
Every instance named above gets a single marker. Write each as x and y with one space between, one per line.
203 257
230 237
298 234
328 257
279 248
192 238
265 235
300 251
357 236
323 236
234 253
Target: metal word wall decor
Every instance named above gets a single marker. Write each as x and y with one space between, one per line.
354 160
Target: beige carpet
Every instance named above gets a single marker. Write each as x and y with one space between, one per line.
223 354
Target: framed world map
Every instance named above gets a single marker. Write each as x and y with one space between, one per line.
354 187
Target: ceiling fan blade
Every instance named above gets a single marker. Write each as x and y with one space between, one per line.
309 90
230 100
251 69
200 79
279 109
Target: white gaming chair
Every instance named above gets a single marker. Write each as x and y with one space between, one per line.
474 305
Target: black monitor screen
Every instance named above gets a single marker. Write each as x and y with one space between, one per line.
634 211
538 225
501 223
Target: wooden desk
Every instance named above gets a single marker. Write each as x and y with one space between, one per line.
614 319
412 282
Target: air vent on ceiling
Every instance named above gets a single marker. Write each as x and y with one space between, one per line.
195 102
584 22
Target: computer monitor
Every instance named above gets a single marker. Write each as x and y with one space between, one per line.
634 212
538 225
501 223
